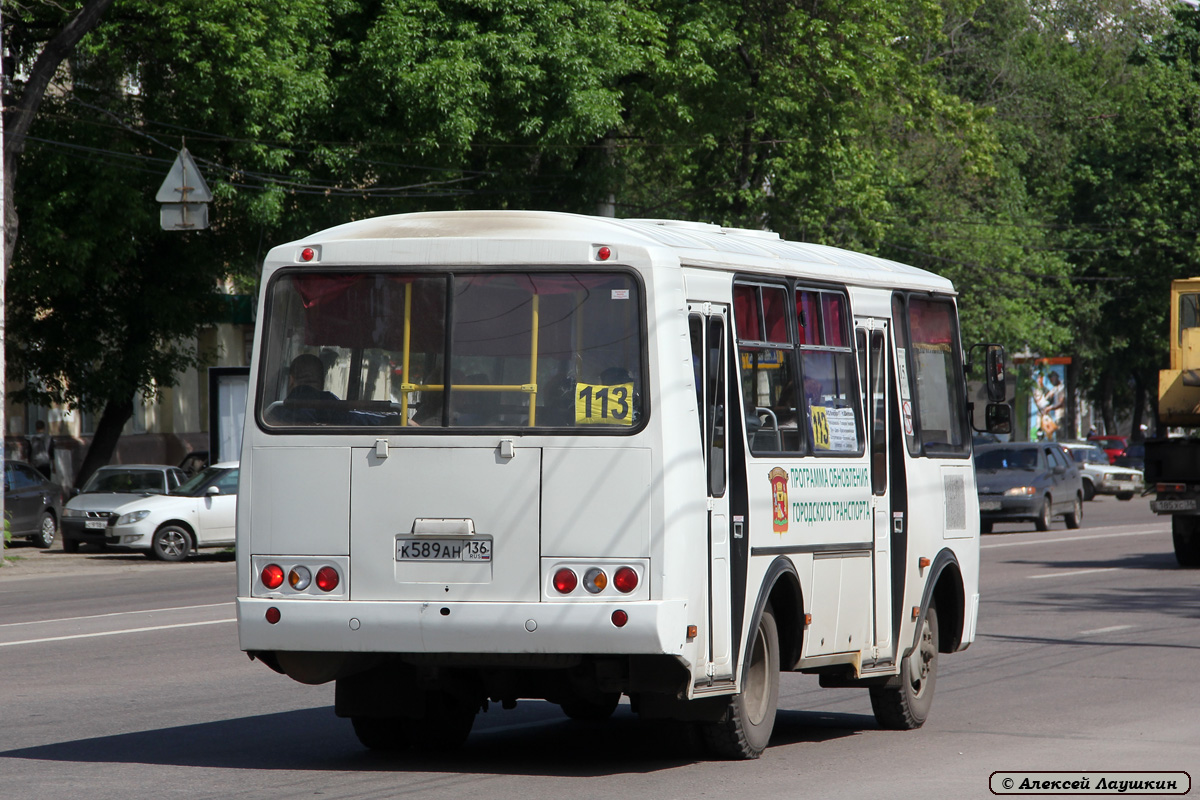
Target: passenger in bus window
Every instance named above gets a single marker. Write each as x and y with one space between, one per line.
306 380
307 399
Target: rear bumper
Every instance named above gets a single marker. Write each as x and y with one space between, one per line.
654 627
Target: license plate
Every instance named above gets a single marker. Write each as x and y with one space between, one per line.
96 524
425 548
989 505
1159 506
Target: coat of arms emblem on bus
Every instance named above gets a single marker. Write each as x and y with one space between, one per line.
779 499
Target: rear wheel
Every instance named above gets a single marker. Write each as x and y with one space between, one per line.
1185 533
1075 518
1043 519
445 725
171 543
906 706
745 728
380 733
601 706
47 527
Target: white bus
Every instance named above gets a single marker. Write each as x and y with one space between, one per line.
502 455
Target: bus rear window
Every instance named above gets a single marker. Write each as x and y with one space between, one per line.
489 350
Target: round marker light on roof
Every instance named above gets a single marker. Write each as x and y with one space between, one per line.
626 580
619 618
307 254
594 580
604 253
299 578
272 576
327 579
565 581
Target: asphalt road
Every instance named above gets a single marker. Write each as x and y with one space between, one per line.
122 678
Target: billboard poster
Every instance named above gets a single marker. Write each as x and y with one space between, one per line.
1048 400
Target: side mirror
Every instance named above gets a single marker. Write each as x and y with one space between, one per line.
994 369
998 418
212 490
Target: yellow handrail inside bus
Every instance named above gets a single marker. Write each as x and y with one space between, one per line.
404 373
533 356
406 386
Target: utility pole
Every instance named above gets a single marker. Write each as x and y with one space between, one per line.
4 190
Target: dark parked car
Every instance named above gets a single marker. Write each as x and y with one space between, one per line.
86 516
1028 481
1134 457
32 504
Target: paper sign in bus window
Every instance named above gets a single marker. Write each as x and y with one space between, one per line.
603 404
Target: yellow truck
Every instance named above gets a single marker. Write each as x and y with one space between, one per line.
1173 464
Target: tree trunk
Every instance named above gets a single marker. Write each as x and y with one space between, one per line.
104 442
1106 402
19 116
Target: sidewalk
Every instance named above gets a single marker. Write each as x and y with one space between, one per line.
23 560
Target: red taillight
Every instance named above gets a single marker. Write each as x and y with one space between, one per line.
626 580
273 615
307 254
604 253
327 579
619 618
272 576
565 581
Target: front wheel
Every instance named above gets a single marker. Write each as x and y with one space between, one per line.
1124 495
47 527
1075 518
906 706
1089 491
1185 534
1043 518
171 543
70 545
745 728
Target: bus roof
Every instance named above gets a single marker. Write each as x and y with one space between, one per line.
694 243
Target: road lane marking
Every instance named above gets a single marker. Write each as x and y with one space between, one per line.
1073 573
1151 532
117 633
113 614
1109 629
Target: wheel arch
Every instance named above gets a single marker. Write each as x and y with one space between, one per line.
781 588
945 588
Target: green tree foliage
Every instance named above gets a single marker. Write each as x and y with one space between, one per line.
1134 210
101 302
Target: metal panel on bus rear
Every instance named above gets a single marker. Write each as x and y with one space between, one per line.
498 495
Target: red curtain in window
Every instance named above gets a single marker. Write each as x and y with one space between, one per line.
834 317
745 313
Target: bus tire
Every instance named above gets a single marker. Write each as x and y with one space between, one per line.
744 730
905 707
379 733
445 724
592 709
1075 518
1185 534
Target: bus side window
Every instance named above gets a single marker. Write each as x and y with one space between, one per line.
767 359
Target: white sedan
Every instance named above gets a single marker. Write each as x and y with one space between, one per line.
200 513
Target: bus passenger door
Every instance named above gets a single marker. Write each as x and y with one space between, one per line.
708 327
872 348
